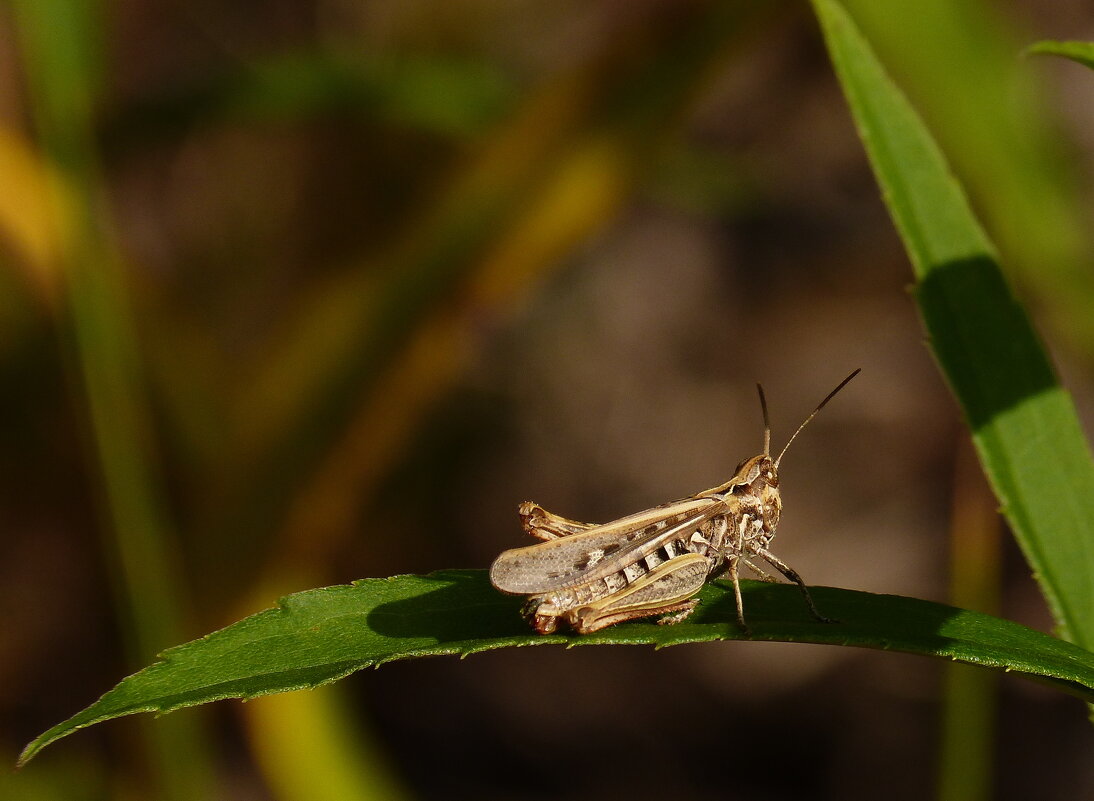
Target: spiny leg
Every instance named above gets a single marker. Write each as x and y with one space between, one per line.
733 560
686 608
792 574
763 574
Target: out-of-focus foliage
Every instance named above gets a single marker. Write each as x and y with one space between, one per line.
1079 52
961 68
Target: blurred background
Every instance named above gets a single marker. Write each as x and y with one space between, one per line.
293 293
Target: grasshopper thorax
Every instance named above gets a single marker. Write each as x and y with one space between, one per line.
754 489
752 478
756 484
753 474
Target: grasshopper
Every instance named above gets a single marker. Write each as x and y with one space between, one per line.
653 562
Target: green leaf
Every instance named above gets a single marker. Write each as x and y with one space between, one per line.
321 635
1080 52
1023 423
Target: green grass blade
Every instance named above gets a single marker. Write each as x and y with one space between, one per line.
989 112
61 43
321 635
1079 52
1023 423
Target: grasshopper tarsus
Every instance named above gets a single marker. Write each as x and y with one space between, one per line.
676 617
544 624
792 574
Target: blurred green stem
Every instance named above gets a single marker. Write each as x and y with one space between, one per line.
59 40
969 695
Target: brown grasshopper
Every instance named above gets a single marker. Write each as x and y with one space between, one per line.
653 562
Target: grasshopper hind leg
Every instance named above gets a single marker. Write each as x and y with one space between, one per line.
584 622
666 590
585 619
547 526
542 622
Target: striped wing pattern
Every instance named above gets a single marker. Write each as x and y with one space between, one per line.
600 551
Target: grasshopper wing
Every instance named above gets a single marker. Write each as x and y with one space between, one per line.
600 551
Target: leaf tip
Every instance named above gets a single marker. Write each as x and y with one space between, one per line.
27 754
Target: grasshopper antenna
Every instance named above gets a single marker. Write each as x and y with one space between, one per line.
828 397
767 422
